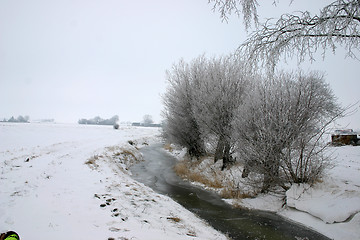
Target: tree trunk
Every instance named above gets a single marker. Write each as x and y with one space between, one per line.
196 144
197 148
226 156
219 152
271 175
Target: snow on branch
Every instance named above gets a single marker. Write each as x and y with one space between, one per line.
247 8
338 24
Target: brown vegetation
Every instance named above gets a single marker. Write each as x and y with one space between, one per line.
187 170
92 161
232 192
168 147
198 171
174 219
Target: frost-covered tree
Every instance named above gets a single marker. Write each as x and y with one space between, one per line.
220 86
281 128
300 34
114 119
147 120
181 126
99 121
22 119
205 95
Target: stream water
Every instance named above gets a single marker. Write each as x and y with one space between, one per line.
157 172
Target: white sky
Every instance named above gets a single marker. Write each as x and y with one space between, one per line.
73 59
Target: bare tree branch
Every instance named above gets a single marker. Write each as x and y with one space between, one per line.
338 24
247 8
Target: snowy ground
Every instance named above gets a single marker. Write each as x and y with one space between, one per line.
331 207
71 182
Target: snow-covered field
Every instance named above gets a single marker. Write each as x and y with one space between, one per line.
71 181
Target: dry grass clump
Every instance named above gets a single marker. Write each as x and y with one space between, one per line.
127 155
185 170
168 147
116 154
205 172
231 192
174 219
123 154
92 161
181 169
112 148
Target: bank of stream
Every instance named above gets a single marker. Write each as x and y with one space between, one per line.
157 172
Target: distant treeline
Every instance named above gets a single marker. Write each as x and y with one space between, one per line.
138 124
19 119
99 121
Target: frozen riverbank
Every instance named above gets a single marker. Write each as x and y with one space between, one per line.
48 189
330 207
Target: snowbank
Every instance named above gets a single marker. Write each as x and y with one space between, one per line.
63 181
331 206
330 203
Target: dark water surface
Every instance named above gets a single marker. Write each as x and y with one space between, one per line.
157 172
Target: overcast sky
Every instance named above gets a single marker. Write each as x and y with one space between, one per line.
83 58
